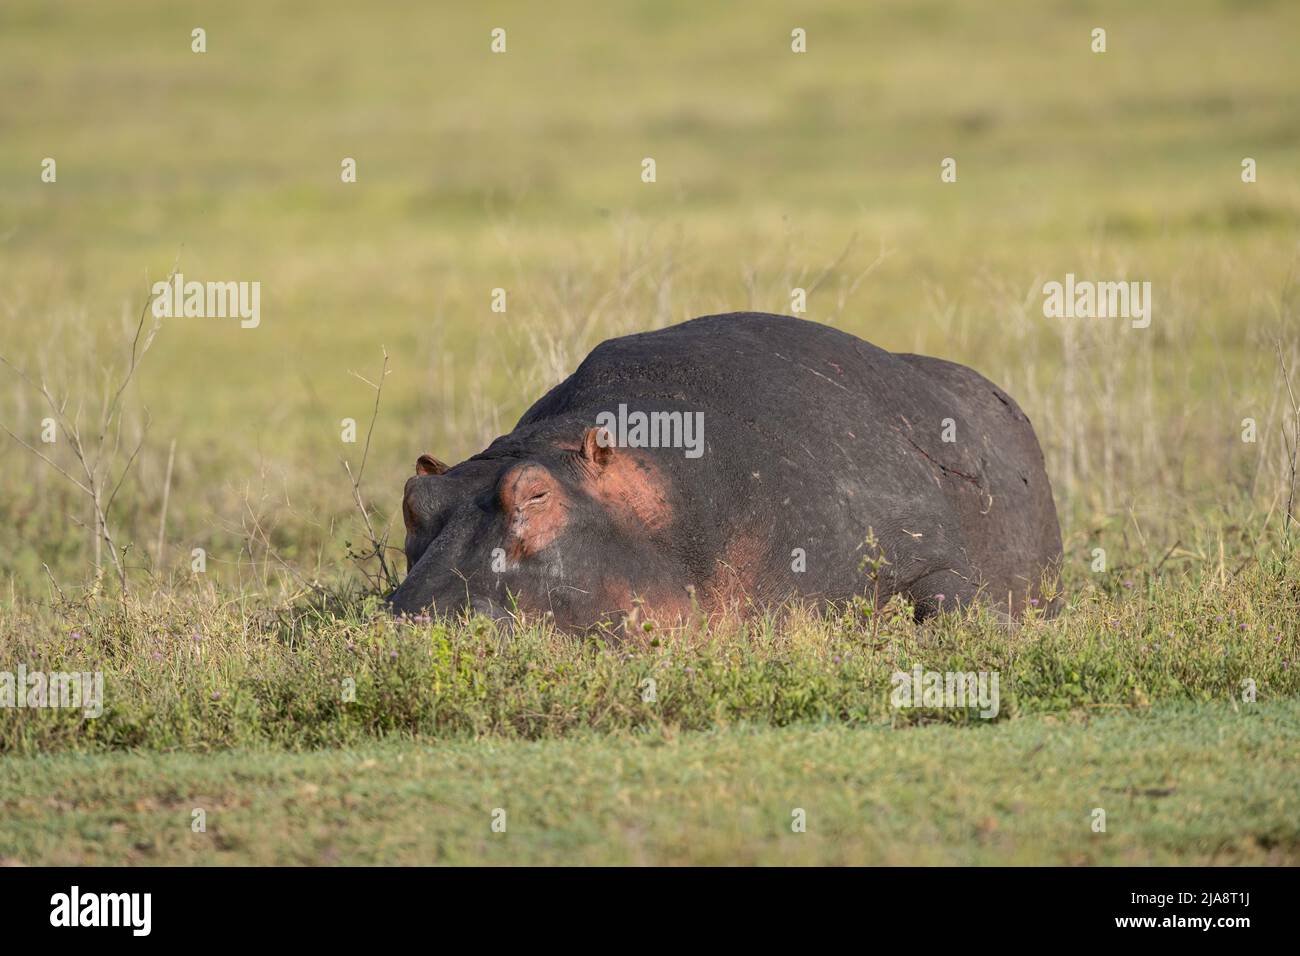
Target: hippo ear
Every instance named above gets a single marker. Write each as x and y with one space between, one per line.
598 446
428 465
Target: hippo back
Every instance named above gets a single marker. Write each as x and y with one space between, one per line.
814 440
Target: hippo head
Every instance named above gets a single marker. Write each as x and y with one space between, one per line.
571 529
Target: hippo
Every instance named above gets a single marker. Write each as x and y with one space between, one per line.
734 464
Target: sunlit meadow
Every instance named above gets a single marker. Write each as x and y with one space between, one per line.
521 171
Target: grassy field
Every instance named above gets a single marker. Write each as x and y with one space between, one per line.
1204 784
521 171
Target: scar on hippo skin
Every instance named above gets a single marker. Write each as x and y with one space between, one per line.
535 507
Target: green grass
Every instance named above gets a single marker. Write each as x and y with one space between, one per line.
1190 784
199 676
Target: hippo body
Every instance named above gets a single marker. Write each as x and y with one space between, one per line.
810 442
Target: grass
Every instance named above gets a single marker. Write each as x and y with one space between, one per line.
1183 784
522 172
202 676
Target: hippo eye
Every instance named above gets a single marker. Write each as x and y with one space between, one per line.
535 499
523 486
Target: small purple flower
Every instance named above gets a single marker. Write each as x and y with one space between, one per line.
1034 601
1128 582
836 658
76 635
393 654
216 695
197 637
157 656
939 598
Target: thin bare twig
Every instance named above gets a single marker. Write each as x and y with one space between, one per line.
1292 444
162 514
378 543
96 459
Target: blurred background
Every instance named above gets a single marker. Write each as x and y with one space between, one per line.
522 171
